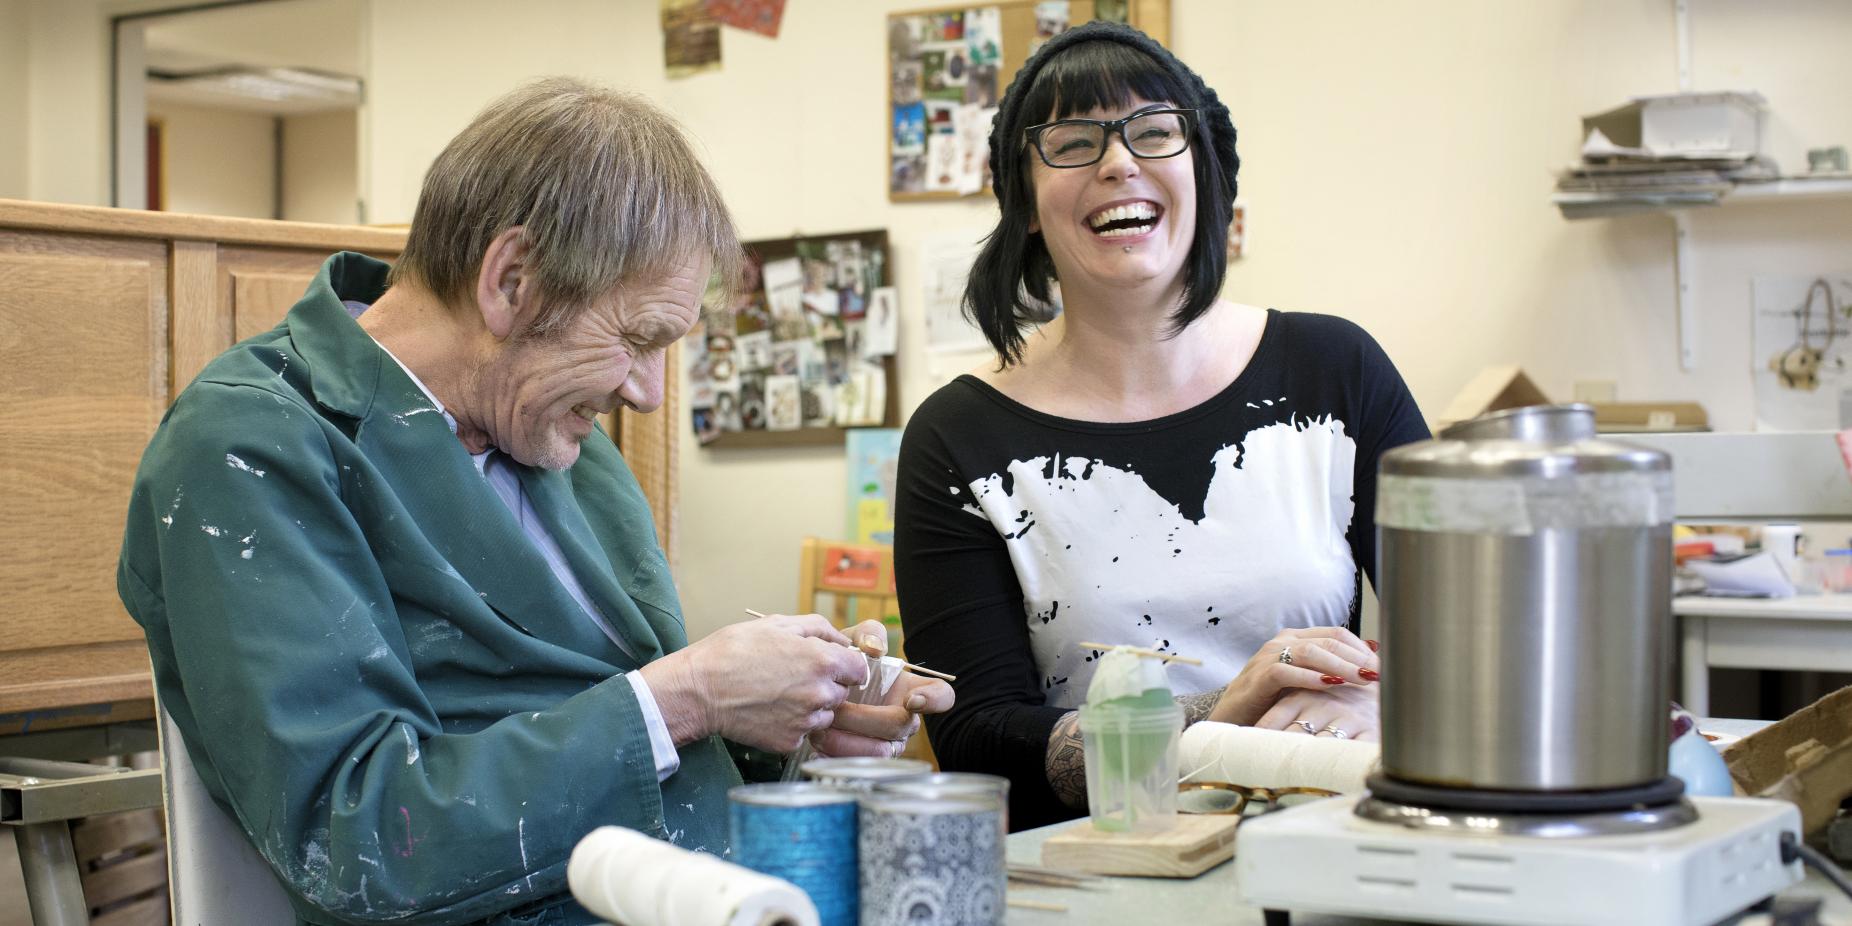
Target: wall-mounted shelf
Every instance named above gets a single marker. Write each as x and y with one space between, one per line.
1834 187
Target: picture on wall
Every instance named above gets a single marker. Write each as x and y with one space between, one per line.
802 349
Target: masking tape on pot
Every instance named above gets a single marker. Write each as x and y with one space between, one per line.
1523 506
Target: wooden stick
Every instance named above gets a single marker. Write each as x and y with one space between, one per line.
1167 657
910 667
1027 904
1052 872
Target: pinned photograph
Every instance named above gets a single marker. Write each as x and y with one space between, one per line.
973 126
690 38
761 16
941 118
903 37
957 67
819 399
908 174
727 409
784 358
881 327
984 35
752 402
706 424
944 71
906 87
755 351
784 405
981 89
946 27
943 162
1051 19
909 129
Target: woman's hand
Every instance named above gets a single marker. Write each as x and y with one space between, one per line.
1343 711
882 729
1318 659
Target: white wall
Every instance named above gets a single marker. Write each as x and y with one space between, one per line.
1398 160
320 168
218 161
14 25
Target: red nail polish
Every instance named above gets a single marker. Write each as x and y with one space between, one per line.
1332 679
1369 675
1374 646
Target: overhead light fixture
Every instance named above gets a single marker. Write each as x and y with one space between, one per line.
290 86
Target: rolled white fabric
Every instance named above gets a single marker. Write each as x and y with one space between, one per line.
632 879
1259 758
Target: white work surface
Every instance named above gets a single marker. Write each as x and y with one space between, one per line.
1210 898
1811 633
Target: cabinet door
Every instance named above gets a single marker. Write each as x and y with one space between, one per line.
84 330
258 286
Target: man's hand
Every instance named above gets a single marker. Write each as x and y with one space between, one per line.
882 729
766 683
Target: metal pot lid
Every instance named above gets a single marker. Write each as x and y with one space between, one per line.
1548 441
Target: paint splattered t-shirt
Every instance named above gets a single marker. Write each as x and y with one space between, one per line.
1019 534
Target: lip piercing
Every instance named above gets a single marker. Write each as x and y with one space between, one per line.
1128 249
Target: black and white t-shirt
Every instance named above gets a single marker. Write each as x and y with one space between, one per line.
1203 533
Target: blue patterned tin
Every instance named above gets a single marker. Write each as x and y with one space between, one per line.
805 834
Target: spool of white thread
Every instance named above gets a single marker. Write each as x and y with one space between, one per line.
1259 758
632 879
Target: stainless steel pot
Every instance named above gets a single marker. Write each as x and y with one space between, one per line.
1526 575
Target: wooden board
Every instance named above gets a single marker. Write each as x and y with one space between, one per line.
1197 843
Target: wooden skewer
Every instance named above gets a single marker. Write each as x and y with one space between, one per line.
910 667
1052 872
1048 880
1027 904
1167 657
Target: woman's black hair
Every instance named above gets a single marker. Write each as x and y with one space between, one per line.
1096 65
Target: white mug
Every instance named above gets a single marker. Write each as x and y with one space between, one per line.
1783 541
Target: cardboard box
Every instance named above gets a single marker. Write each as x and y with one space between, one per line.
1680 125
1805 759
1494 389
1623 417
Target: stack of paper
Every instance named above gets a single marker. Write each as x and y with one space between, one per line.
1665 152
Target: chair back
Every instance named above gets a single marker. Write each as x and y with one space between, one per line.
857 578
214 875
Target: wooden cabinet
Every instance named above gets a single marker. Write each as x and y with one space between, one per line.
105 315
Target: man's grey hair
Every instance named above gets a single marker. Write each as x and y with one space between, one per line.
604 185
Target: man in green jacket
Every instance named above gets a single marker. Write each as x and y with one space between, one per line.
405 602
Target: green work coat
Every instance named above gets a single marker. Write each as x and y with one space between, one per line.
373 668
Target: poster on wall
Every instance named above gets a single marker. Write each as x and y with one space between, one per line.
690 38
1803 352
761 16
945 265
874 457
802 350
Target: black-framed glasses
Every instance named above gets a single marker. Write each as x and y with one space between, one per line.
1154 133
1220 797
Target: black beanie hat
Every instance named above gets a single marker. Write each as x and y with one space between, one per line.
1215 123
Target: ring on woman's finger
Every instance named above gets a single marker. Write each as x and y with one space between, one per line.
1286 654
1336 731
1307 726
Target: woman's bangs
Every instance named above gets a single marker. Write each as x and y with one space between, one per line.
1098 75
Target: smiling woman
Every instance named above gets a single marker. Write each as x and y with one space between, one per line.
1158 466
